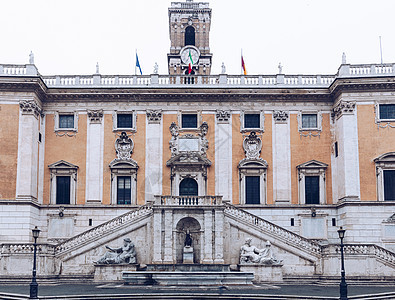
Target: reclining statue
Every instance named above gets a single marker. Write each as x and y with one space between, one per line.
121 255
253 255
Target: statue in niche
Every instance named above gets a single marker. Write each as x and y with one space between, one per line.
121 255
252 255
188 239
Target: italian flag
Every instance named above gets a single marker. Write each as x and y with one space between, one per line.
190 63
243 65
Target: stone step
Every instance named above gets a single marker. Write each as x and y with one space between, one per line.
188 267
187 278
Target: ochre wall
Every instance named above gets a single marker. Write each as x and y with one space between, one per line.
372 142
139 156
304 149
71 149
166 183
210 119
238 154
9 124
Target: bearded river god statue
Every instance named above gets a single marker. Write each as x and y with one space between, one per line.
252 255
121 255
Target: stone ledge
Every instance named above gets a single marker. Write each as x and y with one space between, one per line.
108 273
264 273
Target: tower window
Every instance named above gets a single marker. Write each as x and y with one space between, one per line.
189 36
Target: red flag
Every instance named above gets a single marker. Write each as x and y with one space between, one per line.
243 65
189 68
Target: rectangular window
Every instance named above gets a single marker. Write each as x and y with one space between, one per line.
124 191
189 121
66 121
387 111
252 121
253 189
312 189
309 121
336 149
389 185
124 120
62 189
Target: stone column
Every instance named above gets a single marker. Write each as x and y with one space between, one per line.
208 237
157 242
346 166
219 236
281 157
223 154
27 169
153 156
168 243
94 156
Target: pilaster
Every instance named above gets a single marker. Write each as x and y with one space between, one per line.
94 156
208 237
27 169
219 236
168 242
157 241
281 157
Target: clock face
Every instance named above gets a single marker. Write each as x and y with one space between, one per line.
189 53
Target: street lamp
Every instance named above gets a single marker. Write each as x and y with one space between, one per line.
33 284
343 284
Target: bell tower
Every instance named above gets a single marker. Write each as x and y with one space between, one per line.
189 29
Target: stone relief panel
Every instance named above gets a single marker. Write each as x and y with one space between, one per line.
280 116
124 146
30 107
342 108
252 146
95 116
154 116
223 116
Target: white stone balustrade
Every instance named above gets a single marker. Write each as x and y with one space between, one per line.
188 200
213 81
278 232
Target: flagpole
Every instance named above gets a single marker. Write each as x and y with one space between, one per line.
381 51
135 64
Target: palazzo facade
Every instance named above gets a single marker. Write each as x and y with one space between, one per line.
284 158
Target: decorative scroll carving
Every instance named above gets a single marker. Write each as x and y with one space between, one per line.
343 107
280 116
30 107
154 116
223 116
252 146
95 116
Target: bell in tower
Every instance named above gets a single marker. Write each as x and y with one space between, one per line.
189 29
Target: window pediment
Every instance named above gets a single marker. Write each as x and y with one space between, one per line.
188 158
123 164
61 164
386 158
253 163
313 164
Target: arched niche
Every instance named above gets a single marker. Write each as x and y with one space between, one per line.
193 226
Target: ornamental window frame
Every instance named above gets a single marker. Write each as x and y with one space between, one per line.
312 168
123 169
253 168
199 121
378 112
115 114
57 117
309 112
261 113
63 168
385 162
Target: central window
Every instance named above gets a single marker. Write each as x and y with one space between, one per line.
124 190
124 121
189 121
188 187
253 190
190 36
252 121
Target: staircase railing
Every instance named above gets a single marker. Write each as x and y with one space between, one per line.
273 230
106 227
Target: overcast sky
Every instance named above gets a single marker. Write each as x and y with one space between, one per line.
306 36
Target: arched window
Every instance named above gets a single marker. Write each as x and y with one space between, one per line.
188 187
190 36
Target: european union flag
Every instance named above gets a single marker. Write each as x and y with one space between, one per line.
138 64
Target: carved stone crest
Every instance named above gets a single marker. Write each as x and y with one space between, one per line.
124 146
280 116
154 116
252 146
95 116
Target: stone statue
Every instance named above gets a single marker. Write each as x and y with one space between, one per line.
31 58
156 68
344 59
252 255
188 239
223 68
97 68
280 68
123 254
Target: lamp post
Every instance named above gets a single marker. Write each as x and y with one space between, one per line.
343 284
33 284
